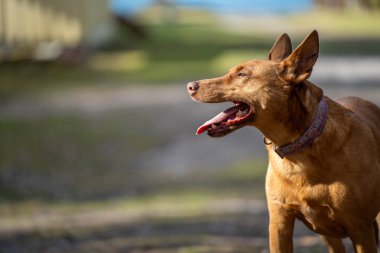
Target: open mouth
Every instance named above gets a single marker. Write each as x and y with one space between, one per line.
228 120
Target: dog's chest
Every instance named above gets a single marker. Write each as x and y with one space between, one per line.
321 218
317 215
319 205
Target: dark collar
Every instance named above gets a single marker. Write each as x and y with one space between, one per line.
310 134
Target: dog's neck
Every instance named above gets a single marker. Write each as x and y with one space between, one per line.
292 120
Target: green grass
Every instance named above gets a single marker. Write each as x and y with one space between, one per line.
191 201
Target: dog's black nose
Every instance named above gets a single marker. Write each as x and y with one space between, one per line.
192 87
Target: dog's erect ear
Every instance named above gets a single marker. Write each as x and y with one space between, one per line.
299 65
281 49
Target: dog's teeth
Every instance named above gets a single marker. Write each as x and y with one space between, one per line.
241 113
213 126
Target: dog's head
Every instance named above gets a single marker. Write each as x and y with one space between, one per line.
259 89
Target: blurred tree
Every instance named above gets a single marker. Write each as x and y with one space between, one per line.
331 4
341 4
366 4
131 24
375 4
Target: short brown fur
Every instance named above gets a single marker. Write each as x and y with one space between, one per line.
332 186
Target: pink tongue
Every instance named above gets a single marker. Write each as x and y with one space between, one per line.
219 118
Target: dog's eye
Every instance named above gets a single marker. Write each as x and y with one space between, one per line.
241 74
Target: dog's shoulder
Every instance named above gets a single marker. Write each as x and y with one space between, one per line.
367 111
362 107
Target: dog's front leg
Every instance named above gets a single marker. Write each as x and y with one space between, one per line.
364 239
281 227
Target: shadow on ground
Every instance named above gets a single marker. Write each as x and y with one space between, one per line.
222 232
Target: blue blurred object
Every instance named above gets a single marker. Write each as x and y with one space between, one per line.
249 6
126 7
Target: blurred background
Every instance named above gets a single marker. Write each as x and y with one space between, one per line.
98 151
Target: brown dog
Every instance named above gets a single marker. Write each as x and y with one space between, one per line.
324 156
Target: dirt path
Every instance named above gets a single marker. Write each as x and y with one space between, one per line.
229 225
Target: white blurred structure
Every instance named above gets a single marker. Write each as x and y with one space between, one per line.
27 26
